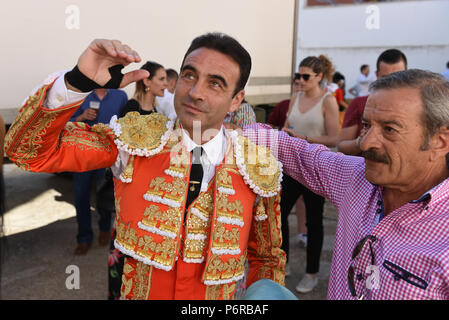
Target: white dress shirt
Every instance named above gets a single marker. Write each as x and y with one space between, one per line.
213 154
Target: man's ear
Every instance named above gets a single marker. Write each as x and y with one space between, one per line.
237 100
440 143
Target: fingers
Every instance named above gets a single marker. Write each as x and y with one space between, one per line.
115 49
125 52
133 76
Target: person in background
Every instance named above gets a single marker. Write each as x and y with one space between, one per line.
336 88
363 81
97 108
241 117
146 90
2 196
276 120
166 104
144 99
446 73
172 78
313 113
389 61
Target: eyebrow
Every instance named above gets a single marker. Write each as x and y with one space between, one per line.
212 76
385 122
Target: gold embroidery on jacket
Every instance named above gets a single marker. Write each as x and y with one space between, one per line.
126 236
269 238
172 191
26 144
225 237
261 166
127 174
76 136
162 253
142 281
168 220
228 290
127 279
224 179
213 292
229 209
198 226
25 114
142 131
217 269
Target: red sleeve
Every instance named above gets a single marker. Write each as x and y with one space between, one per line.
353 115
265 256
41 139
339 95
278 115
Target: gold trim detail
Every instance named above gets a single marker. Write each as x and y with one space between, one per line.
259 167
142 131
75 135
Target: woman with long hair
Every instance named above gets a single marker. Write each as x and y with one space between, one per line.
313 116
144 99
144 102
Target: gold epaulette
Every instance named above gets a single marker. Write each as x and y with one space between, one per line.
259 168
141 135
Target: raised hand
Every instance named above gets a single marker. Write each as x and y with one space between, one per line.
102 54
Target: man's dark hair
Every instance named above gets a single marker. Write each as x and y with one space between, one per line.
363 67
391 56
337 77
151 67
228 46
447 65
171 74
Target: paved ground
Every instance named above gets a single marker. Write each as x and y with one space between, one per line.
40 226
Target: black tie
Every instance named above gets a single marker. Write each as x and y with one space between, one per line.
196 176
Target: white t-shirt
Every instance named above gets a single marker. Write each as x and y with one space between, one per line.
363 83
166 105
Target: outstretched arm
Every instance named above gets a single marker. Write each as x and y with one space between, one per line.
40 139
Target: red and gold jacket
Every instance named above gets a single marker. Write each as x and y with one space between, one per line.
199 256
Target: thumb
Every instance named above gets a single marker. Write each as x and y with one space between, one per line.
133 76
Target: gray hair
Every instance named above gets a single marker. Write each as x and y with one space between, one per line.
434 90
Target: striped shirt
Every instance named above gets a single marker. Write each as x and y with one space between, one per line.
411 249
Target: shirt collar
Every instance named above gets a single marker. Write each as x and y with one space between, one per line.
95 94
214 149
434 193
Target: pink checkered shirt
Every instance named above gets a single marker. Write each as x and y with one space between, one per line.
413 240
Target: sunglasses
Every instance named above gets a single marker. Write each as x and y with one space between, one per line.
305 76
400 273
351 271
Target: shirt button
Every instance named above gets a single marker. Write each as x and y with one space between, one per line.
379 203
59 98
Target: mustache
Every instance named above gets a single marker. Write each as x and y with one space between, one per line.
374 156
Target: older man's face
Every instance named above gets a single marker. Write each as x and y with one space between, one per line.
392 136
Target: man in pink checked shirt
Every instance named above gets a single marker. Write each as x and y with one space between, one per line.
392 239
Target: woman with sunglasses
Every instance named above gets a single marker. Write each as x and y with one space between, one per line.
313 116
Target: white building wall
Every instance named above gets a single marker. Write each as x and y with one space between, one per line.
352 35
